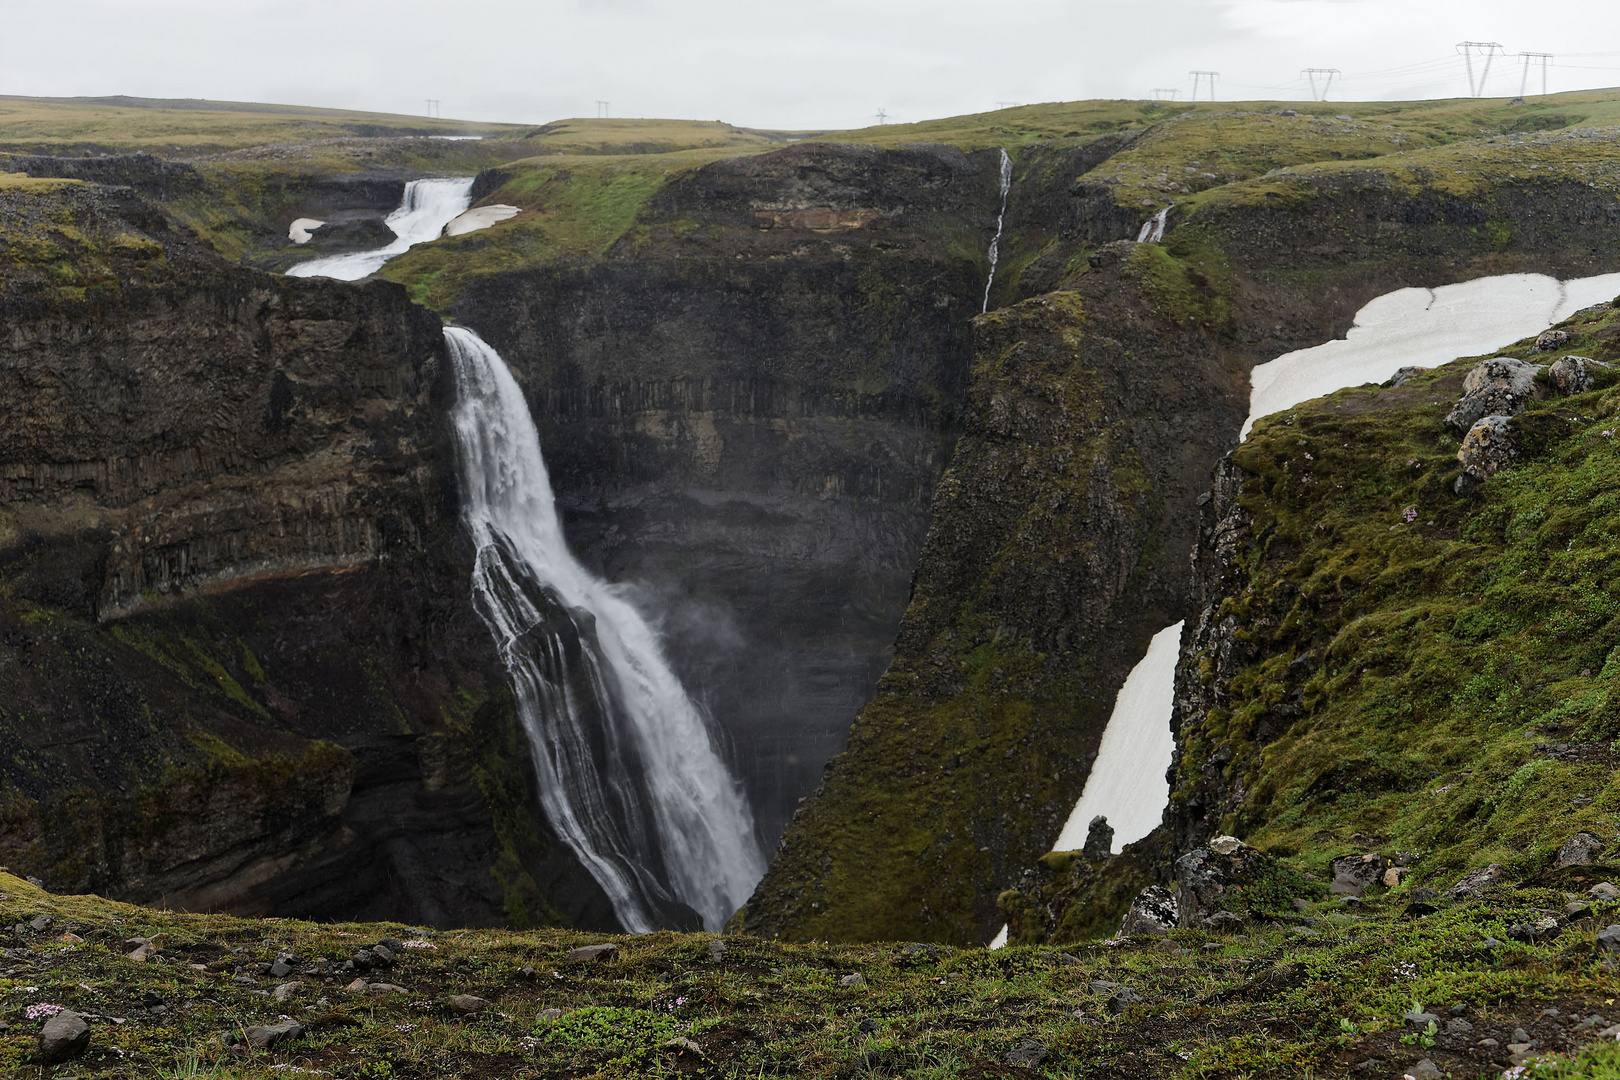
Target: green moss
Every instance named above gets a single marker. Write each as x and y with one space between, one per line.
1449 641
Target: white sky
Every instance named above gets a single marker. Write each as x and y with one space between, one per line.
778 63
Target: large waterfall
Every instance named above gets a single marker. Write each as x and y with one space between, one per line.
428 206
629 774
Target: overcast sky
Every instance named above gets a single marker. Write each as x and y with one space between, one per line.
768 63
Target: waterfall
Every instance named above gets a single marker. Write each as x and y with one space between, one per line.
428 206
628 771
995 241
1153 228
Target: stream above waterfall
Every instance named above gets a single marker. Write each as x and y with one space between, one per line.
426 208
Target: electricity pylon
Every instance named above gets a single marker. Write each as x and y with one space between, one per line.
1161 93
1487 49
1197 76
1527 57
433 107
1312 73
602 109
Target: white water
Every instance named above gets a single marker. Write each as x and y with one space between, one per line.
1127 782
1423 328
428 206
1153 228
628 771
995 241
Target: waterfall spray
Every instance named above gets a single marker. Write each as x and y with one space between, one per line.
995 241
629 774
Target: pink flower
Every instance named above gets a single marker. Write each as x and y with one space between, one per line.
35 1012
1409 514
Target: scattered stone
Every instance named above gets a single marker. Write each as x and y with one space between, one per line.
1574 374
385 988
1153 912
1582 849
38 883
281 969
1576 910
358 986
1402 376
466 1004
1423 896
1491 943
284 991
856 979
382 955
717 950
1099 840
1417 909
1395 875
1498 387
65 1035
1520 1036
1459 1009
1488 1044
1488 448
1421 1019
1476 881
1609 939
1303 931
1102 986
547 1015
1457 1026
1063 959
1028 1056
917 948
1221 921
594 952
867 1026
40 923
1541 930
1213 946
1204 873
1604 890
394 946
269 1035
1582 801
1424 1070
1121 999
681 1045
1353 874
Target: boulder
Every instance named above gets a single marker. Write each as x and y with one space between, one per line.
1574 374
1099 841
1152 912
1476 881
1552 339
1604 890
1541 930
1354 874
1608 939
1205 873
1120 1000
269 1035
1488 448
1028 1055
1221 922
1582 849
65 1035
466 1004
856 979
1496 387
593 952
1402 376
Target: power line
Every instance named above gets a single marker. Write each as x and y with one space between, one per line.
1545 58
1487 49
1197 76
1312 73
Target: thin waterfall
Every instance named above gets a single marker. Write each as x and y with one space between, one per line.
995 241
1153 228
629 774
428 206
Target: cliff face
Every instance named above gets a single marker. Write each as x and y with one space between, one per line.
239 669
1057 548
745 406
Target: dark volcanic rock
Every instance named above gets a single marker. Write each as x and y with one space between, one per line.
64 1036
228 488
1205 873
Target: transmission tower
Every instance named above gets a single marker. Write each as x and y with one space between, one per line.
602 109
883 116
1008 104
433 107
1166 93
1328 74
1545 58
1470 49
1198 76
